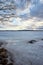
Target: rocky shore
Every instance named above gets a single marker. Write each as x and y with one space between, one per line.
5 56
28 52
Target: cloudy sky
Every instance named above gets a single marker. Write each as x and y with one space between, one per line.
21 15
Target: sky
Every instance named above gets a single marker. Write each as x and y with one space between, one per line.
21 15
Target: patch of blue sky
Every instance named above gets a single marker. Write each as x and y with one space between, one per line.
24 16
36 10
16 22
35 2
20 3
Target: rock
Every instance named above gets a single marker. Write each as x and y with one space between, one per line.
5 58
10 64
0 64
32 41
3 50
1 43
4 61
4 54
41 39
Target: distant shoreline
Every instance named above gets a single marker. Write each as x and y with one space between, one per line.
20 30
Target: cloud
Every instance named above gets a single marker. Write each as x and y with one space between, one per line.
36 9
22 4
21 14
19 24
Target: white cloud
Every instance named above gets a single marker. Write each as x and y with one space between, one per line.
36 9
28 15
27 24
41 1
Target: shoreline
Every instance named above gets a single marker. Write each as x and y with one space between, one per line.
20 30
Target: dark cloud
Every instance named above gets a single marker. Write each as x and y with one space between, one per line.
11 6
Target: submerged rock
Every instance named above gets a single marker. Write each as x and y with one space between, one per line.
32 41
42 39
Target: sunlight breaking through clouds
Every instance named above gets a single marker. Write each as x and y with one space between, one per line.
21 15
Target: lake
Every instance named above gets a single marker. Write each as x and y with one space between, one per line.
24 52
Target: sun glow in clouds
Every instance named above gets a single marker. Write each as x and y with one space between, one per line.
28 15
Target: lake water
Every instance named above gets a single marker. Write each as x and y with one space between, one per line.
23 52
20 34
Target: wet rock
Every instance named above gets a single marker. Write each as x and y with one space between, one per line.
4 61
2 43
10 64
0 64
5 58
41 39
32 41
4 55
